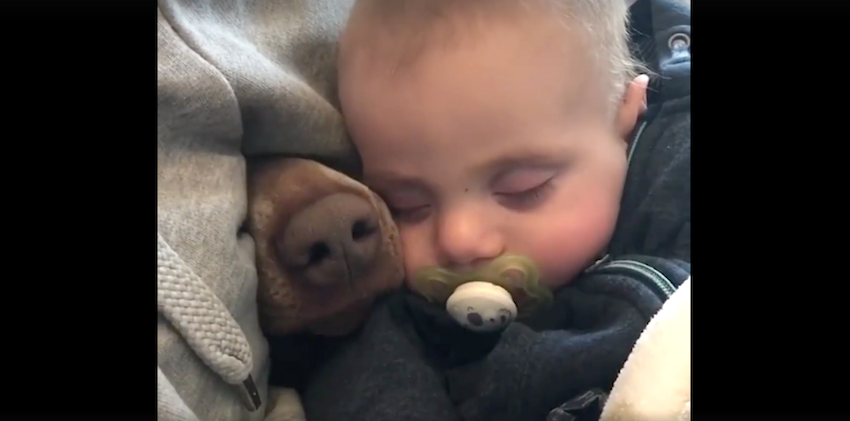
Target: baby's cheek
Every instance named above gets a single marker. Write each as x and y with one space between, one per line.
416 249
568 244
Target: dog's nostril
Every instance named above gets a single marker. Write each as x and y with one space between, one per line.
318 252
503 318
475 319
492 320
362 228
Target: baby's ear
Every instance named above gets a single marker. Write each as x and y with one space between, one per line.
325 247
634 103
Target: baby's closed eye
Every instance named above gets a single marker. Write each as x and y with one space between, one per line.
523 188
407 206
519 181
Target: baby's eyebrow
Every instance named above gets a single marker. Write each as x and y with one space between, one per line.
507 163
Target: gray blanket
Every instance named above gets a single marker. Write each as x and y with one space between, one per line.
235 78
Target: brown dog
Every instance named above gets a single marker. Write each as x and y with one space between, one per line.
326 247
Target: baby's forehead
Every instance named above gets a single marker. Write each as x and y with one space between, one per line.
399 38
397 164
390 36
473 103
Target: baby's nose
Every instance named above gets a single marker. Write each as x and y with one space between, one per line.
465 239
333 241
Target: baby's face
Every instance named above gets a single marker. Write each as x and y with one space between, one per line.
501 145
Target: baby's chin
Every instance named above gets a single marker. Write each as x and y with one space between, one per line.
557 277
555 283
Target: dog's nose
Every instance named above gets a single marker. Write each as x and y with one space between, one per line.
332 241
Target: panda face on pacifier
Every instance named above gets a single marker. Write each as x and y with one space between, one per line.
482 307
486 319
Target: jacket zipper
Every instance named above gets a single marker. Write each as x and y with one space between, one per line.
645 274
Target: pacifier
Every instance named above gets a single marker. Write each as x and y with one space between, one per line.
482 306
489 299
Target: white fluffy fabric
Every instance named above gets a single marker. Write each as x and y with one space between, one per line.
655 382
